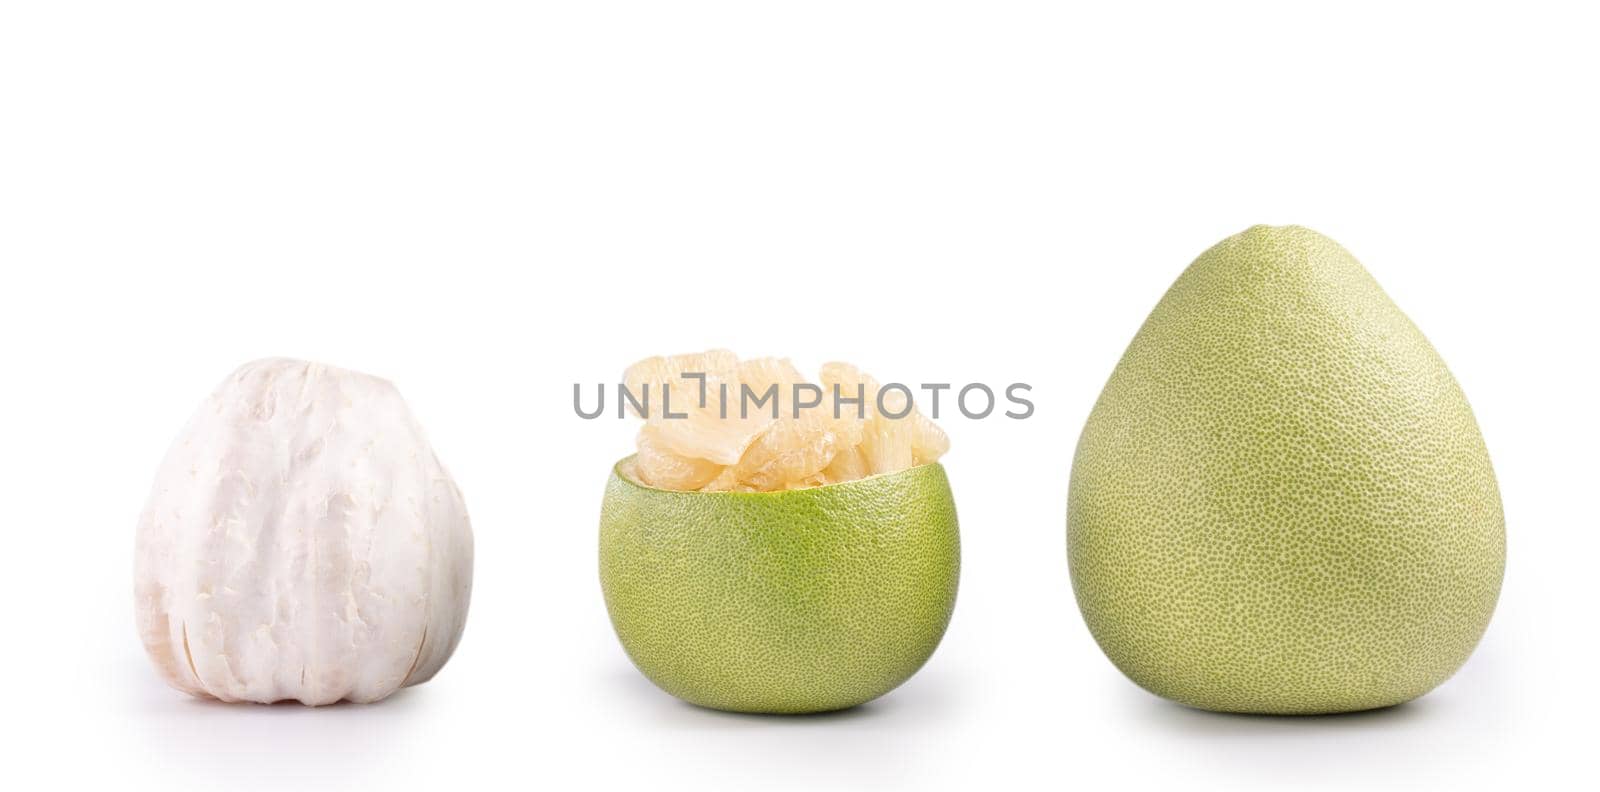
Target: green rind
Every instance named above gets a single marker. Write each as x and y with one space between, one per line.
799 601
1281 502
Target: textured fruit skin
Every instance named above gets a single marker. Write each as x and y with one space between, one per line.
1281 502
803 600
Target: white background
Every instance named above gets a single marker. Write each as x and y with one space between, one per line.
488 202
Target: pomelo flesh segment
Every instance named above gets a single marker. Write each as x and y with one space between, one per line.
847 465
662 468
771 445
888 443
705 434
762 373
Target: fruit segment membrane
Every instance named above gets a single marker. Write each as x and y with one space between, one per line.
714 423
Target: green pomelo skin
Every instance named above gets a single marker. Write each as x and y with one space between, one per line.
1281 502
800 601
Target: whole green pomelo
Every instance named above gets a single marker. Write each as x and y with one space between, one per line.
795 601
1281 502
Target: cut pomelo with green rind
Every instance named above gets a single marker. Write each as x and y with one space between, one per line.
805 600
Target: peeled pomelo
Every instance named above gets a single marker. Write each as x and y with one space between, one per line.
803 600
301 542
1281 502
